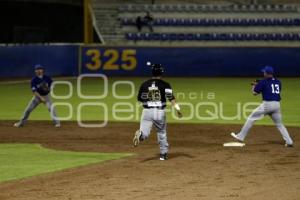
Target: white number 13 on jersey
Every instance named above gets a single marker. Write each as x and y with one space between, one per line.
275 89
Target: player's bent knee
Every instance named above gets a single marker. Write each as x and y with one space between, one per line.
27 112
162 137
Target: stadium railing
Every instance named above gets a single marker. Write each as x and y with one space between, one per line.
214 36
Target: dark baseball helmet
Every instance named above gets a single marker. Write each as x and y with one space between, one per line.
157 69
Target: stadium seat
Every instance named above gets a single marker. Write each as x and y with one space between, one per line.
213 22
206 8
217 22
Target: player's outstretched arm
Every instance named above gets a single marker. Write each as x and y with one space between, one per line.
253 91
177 107
253 84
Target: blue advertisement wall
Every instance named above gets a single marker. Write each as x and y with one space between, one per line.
70 60
190 61
18 61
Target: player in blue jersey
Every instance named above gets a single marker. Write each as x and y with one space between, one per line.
270 88
40 86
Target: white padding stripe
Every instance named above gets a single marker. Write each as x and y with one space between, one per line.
168 91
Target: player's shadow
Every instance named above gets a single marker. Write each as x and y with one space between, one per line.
170 156
274 142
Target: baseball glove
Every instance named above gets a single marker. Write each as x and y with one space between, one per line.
255 82
44 87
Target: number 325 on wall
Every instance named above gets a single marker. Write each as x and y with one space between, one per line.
111 59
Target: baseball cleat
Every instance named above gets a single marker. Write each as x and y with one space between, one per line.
163 156
236 137
57 125
288 145
137 138
18 124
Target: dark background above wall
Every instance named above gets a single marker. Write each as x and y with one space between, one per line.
38 22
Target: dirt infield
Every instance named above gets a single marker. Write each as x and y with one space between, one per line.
198 168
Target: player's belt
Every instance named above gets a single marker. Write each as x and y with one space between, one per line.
154 105
159 108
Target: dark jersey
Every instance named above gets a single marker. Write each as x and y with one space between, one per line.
154 93
41 85
270 89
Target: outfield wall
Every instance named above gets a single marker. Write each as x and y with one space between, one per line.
70 60
18 61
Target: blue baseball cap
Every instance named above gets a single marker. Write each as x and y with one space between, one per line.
268 70
38 66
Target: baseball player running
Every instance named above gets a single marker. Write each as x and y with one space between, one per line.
40 86
153 95
270 88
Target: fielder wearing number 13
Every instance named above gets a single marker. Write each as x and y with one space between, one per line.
270 88
153 94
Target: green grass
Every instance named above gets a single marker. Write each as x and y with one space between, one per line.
229 93
24 160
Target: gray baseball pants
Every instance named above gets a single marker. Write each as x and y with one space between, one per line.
271 108
156 117
35 101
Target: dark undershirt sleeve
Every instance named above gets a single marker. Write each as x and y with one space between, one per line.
139 97
33 86
258 87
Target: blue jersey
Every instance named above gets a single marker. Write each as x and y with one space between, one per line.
270 89
41 85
